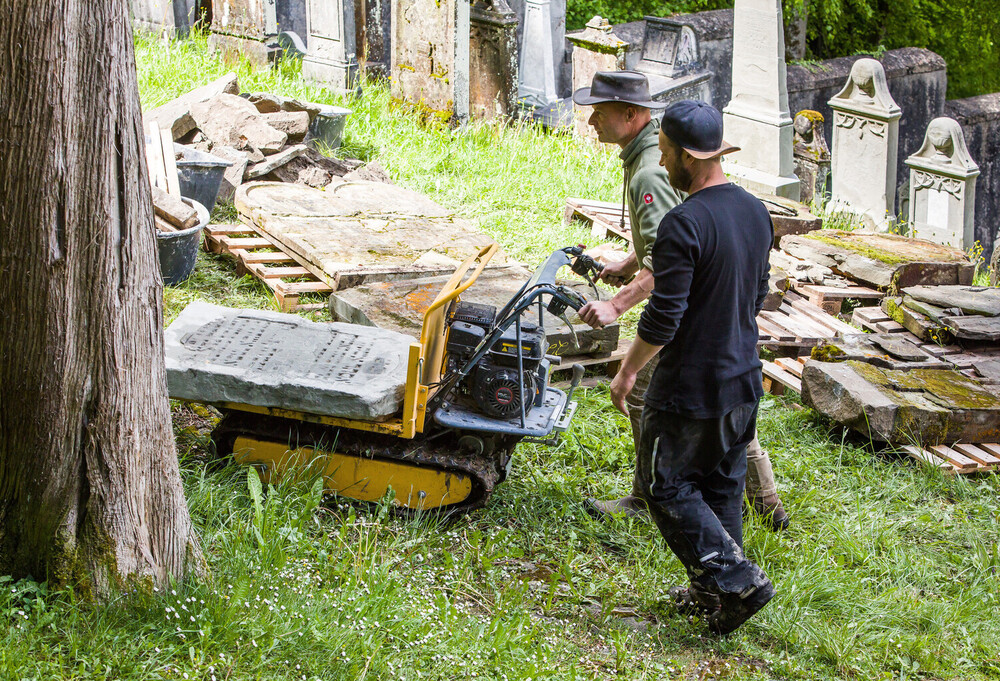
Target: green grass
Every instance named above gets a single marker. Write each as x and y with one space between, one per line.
889 571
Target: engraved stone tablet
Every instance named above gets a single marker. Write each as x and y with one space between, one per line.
269 359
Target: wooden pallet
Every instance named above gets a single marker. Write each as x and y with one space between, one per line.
784 373
958 459
831 298
875 320
267 262
604 218
799 325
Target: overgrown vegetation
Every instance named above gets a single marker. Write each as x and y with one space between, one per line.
965 32
889 570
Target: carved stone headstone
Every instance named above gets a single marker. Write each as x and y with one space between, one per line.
596 48
812 155
537 67
269 359
671 62
430 55
175 17
757 118
249 27
331 57
943 187
493 85
865 144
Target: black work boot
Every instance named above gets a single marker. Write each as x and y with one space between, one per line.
735 609
692 600
631 506
769 508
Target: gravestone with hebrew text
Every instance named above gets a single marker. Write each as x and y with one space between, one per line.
943 187
865 144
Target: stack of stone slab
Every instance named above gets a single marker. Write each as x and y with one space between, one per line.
943 313
264 136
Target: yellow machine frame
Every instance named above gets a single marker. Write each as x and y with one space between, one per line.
425 362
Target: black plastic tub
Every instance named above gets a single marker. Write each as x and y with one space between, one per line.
327 127
200 175
179 250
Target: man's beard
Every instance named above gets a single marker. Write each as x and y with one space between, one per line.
680 178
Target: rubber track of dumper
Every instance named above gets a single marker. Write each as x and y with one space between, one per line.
439 450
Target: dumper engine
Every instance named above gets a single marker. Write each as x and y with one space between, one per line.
495 385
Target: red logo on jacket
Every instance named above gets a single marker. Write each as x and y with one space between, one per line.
648 198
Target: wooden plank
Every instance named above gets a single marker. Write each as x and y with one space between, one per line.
921 454
776 373
271 257
991 448
957 459
244 243
300 287
792 366
169 162
829 320
803 326
774 331
888 327
981 456
154 157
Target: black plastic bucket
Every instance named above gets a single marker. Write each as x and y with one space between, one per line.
179 250
327 127
200 175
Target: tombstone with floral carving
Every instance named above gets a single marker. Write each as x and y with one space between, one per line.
865 144
943 186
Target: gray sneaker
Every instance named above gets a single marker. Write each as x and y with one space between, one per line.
630 506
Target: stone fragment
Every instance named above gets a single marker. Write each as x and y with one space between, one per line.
175 115
978 300
233 176
776 287
920 325
295 124
974 327
897 353
274 161
265 102
174 211
233 121
789 217
399 305
881 260
302 171
219 355
370 172
924 406
802 270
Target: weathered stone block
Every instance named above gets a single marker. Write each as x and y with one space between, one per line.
921 406
235 122
219 355
175 115
295 124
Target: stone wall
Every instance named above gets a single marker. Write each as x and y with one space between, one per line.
175 17
980 121
917 81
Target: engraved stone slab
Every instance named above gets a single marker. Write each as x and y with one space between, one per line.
269 359
356 232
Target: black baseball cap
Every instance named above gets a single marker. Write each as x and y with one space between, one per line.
627 87
697 128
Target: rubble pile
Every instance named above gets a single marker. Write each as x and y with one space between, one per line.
264 136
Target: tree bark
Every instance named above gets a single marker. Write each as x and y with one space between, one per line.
90 490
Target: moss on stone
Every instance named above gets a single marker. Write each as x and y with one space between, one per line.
945 387
836 238
827 352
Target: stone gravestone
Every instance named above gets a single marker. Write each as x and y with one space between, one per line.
757 118
269 359
374 35
865 143
557 28
175 17
537 86
595 49
331 57
812 155
671 62
493 85
430 55
249 27
943 187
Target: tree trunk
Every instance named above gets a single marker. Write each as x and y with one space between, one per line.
90 491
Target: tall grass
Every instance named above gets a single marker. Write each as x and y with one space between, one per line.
889 570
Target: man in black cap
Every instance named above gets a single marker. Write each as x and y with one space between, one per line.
710 264
622 116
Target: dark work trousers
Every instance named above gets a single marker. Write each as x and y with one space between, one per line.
692 474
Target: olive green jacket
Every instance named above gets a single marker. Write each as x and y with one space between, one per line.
647 191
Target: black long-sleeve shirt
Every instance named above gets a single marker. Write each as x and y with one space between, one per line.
710 269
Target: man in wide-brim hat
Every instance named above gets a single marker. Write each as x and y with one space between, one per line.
622 115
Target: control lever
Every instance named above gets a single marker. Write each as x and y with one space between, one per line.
575 382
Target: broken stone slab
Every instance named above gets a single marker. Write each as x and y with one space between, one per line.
973 300
369 172
233 175
801 270
235 122
313 169
974 327
295 124
778 283
355 232
219 355
175 115
882 260
274 161
919 406
399 305
788 216
266 102
881 350
920 325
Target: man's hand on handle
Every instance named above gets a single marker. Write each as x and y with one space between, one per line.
599 313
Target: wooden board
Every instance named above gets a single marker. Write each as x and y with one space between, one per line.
831 298
959 459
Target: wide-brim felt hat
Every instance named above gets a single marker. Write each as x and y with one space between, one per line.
626 87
